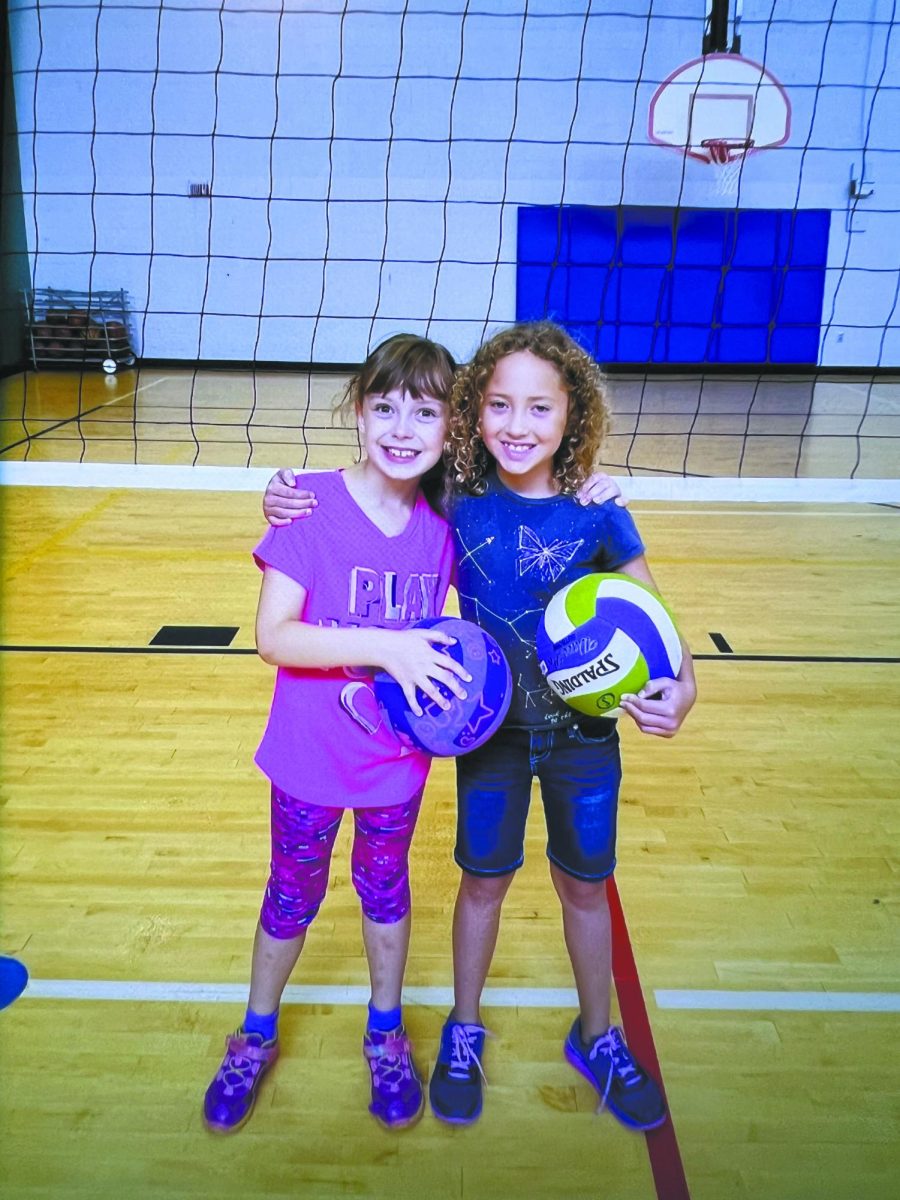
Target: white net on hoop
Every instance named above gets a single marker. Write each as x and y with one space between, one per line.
727 160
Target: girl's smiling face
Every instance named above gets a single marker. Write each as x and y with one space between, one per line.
402 436
523 419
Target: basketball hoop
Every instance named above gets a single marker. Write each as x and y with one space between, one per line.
726 155
717 109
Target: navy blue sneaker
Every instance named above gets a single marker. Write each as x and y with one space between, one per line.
623 1085
455 1087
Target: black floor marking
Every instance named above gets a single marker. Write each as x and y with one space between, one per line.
720 644
195 635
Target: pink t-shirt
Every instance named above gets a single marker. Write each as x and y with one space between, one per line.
354 575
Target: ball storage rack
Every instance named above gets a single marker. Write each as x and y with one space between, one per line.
77 329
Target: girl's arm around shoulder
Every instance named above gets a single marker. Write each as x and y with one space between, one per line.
661 706
284 501
598 488
412 656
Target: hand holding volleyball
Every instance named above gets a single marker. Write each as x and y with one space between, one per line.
422 666
661 705
606 636
447 724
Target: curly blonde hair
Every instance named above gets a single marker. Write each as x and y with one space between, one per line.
581 379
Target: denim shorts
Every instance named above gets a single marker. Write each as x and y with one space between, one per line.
579 771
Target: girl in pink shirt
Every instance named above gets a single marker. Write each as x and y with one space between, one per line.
338 596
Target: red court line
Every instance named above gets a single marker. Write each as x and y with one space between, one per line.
662 1144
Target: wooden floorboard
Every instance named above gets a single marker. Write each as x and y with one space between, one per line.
756 851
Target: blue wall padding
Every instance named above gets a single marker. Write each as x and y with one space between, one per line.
637 284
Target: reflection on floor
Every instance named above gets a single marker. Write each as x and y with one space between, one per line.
746 426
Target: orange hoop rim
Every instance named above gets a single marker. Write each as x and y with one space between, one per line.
722 151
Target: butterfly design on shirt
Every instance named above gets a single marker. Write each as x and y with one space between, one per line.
547 559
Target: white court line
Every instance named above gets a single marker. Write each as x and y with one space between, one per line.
226 993
442 997
254 479
128 395
779 1001
130 475
820 514
145 387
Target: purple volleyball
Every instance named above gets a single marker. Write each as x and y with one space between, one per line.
467 724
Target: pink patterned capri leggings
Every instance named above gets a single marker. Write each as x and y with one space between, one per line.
303 838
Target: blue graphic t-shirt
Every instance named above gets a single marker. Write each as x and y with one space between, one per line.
512 554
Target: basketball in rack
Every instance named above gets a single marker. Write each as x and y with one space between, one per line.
77 329
720 109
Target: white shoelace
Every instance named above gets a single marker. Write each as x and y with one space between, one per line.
613 1048
462 1051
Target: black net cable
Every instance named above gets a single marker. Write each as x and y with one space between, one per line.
429 332
842 274
622 182
502 214
392 116
209 232
152 229
728 257
269 234
792 232
93 259
327 207
34 213
319 315
737 203
749 415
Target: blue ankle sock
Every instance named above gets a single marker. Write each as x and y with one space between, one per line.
266 1025
384 1022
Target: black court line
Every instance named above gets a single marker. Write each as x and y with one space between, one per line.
787 658
718 640
74 419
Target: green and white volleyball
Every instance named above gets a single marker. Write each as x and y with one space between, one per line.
605 636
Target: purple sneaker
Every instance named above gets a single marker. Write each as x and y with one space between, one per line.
231 1095
397 1096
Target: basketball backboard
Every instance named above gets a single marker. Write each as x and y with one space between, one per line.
719 108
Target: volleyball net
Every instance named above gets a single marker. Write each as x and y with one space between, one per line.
216 208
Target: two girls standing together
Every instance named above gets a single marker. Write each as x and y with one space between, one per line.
522 425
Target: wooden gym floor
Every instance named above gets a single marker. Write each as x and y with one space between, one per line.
757 868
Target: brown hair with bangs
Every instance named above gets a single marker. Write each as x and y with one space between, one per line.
580 377
405 363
